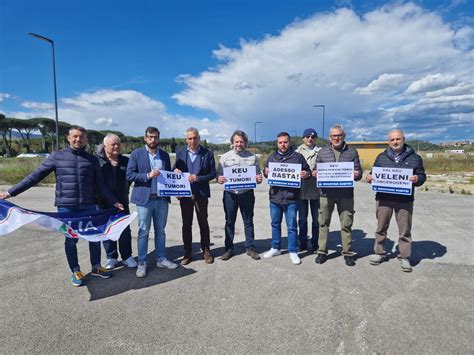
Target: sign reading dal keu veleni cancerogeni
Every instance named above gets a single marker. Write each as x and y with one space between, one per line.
173 184
240 177
335 174
281 174
392 180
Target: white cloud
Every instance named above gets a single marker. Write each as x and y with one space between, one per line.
333 58
37 105
107 121
4 96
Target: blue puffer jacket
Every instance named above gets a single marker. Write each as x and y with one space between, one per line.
78 178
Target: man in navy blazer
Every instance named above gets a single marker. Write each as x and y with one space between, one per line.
143 167
199 162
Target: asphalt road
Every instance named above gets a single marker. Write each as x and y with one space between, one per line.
242 305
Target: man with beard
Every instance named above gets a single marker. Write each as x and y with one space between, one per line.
143 167
397 155
235 199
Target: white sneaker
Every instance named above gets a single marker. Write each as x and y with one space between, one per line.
271 253
295 259
141 270
130 262
111 264
405 265
165 263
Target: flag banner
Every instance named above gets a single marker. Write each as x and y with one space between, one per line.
392 180
93 226
284 174
240 177
173 184
335 174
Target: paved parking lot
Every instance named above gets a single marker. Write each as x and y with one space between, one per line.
242 305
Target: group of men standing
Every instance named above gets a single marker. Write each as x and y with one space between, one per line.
85 183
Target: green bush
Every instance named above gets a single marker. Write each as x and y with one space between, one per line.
13 170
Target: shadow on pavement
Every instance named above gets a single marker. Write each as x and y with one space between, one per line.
424 249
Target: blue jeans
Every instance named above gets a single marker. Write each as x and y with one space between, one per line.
276 214
70 244
156 209
232 203
303 223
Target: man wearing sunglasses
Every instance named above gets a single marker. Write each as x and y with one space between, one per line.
309 194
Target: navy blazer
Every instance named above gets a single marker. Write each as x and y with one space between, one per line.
137 169
207 171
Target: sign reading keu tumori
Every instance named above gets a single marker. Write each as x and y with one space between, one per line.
281 174
337 174
173 184
240 178
392 180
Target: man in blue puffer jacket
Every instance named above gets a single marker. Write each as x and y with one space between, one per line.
397 155
78 178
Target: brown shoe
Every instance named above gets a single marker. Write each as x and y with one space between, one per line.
207 256
186 260
253 254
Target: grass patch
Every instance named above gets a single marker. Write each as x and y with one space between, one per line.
13 170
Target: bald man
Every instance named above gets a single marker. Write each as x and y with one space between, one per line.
397 155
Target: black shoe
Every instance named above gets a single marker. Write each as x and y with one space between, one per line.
321 259
349 260
227 255
253 254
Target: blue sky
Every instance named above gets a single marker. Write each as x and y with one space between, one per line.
223 65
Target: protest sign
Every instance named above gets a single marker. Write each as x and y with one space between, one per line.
173 184
282 174
240 178
336 174
392 180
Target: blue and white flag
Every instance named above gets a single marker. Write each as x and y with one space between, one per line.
93 226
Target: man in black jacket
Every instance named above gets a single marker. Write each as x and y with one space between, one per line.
283 200
114 169
397 155
78 177
337 151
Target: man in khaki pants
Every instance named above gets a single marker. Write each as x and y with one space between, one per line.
337 151
397 155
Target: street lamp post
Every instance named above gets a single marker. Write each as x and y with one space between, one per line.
54 80
324 114
256 130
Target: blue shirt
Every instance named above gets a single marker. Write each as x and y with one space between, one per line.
156 164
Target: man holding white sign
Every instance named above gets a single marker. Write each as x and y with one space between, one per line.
340 166
239 172
144 167
285 168
395 172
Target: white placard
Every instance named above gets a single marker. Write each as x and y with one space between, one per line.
173 184
336 174
392 180
240 177
282 174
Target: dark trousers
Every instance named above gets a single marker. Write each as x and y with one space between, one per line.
188 205
303 208
232 202
403 216
70 244
124 243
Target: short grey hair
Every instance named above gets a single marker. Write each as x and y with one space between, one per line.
109 136
192 130
337 126
396 130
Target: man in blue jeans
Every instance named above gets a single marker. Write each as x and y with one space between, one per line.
283 199
143 167
78 177
235 199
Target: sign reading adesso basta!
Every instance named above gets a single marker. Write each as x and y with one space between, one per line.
281 174
337 174
173 184
392 180
240 178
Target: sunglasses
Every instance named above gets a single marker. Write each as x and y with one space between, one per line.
310 136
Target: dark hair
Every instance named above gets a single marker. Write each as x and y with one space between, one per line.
241 134
151 130
78 128
281 134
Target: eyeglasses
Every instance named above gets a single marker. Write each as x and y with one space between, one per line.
153 137
310 137
337 136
